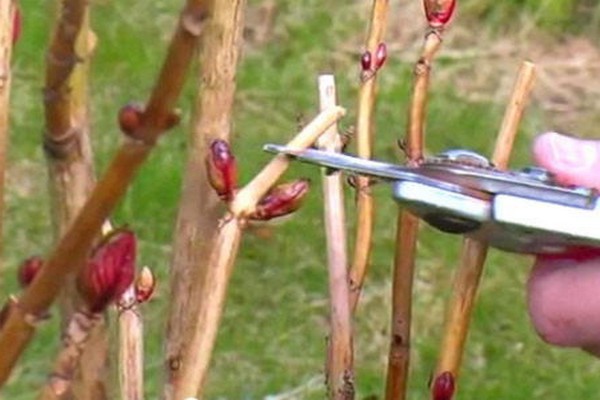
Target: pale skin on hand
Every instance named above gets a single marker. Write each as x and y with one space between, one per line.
563 295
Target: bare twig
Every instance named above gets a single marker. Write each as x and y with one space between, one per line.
468 275
70 165
340 373
408 224
131 347
7 15
76 242
200 208
364 143
404 263
75 338
211 297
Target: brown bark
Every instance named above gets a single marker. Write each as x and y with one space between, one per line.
7 12
473 255
402 282
211 296
75 340
340 353
364 143
70 165
200 209
77 240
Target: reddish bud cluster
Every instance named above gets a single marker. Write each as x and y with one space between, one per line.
17 24
28 270
145 284
221 168
109 270
371 64
281 200
443 386
439 12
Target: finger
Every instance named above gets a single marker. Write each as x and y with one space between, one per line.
563 302
574 161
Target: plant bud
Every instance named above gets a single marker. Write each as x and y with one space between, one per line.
130 118
443 386
366 61
17 25
109 270
439 12
281 200
380 55
29 269
221 169
145 284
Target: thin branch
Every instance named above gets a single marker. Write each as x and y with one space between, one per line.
407 229
70 166
131 347
473 254
200 208
364 142
211 297
7 15
340 370
76 242
59 384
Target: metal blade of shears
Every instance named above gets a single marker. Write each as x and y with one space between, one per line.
337 161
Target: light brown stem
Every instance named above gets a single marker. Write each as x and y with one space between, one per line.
131 347
77 240
70 165
418 105
7 12
211 296
340 372
364 145
407 230
200 208
404 265
473 254
75 339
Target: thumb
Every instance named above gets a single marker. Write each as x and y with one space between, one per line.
574 161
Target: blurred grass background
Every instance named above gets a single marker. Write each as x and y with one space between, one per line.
272 340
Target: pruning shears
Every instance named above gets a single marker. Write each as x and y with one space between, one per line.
460 191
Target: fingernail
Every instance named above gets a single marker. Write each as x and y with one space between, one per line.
559 151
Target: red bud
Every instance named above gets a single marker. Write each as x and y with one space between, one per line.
145 284
439 12
443 386
380 55
29 269
281 200
130 118
17 25
109 270
366 61
221 168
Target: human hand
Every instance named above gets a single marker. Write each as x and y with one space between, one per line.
564 291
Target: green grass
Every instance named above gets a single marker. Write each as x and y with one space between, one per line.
275 324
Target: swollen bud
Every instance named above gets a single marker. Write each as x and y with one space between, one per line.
443 386
130 118
439 12
145 284
109 270
380 55
221 169
281 200
29 269
366 61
